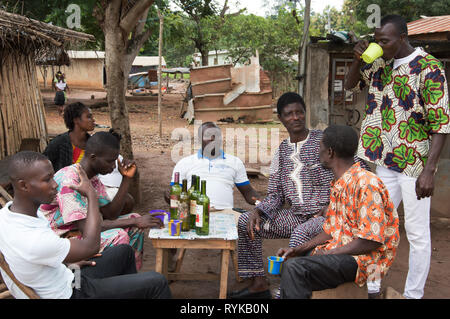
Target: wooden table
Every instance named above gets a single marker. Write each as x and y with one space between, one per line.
223 236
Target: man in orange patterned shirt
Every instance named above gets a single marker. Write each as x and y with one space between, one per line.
360 235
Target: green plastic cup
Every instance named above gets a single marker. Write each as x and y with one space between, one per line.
373 52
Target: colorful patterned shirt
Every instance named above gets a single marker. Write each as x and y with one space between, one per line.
70 206
405 106
360 207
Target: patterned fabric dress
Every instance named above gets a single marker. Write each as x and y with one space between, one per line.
298 181
405 106
69 206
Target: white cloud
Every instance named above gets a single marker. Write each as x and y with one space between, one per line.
259 7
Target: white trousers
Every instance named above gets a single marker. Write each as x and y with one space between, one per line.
417 226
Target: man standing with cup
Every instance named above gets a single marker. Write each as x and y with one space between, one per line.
406 122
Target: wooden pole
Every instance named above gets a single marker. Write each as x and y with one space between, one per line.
304 42
161 25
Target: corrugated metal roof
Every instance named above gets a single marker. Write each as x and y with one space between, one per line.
148 61
138 61
86 54
429 25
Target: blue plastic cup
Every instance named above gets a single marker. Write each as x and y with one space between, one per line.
165 216
174 227
275 264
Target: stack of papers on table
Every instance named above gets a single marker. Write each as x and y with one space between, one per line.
221 226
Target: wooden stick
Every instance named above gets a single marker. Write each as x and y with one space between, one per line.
27 290
161 25
5 194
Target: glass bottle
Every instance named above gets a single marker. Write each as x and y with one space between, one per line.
191 189
183 208
175 191
193 201
202 220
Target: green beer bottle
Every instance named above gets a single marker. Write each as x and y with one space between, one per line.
202 220
175 191
183 208
193 201
191 189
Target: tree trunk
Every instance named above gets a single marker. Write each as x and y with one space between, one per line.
117 74
204 54
124 36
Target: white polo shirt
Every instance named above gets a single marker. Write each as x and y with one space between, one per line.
113 179
34 254
221 175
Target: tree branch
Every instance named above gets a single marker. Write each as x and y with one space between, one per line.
224 9
129 21
138 40
139 27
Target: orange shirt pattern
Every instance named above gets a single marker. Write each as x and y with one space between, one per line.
360 207
77 154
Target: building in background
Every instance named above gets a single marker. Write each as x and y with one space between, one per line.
87 69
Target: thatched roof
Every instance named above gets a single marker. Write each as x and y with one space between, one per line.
19 33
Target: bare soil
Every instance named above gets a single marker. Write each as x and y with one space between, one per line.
153 157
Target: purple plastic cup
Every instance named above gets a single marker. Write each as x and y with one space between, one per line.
165 217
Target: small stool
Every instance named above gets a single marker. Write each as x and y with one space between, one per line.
349 290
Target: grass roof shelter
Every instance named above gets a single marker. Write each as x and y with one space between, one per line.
23 42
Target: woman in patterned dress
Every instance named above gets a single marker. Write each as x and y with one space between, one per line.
67 213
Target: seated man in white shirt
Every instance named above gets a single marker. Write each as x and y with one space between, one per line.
113 180
112 183
37 256
221 171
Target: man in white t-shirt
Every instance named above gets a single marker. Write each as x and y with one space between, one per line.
37 256
221 171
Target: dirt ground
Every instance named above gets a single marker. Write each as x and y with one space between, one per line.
153 157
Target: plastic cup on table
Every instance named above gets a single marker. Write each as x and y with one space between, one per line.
165 217
175 227
373 52
275 264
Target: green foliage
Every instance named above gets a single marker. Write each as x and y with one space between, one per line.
177 46
195 25
410 9
276 38
54 11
